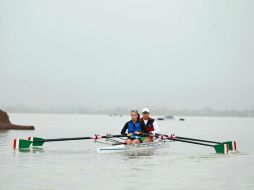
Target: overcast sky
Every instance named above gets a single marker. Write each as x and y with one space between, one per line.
171 53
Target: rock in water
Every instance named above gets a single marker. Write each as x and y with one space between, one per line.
6 124
4 118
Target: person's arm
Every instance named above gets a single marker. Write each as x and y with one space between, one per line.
123 132
156 127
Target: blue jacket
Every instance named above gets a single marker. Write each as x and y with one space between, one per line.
131 127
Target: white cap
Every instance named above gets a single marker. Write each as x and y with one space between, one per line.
145 110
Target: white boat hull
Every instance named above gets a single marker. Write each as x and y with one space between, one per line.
133 148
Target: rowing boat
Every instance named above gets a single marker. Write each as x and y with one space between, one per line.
134 148
116 145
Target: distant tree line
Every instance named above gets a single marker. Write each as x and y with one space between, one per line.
207 111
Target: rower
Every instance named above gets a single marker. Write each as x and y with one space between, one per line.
150 125
135 129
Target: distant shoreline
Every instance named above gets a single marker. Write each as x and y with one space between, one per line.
206 112
119 115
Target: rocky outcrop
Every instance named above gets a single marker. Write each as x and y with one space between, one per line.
5 123
4 118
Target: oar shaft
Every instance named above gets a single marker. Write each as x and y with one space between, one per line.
191 142
200 140
78 138
67 139
186 140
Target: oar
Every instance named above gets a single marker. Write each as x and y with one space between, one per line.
222 148
231 144
38 142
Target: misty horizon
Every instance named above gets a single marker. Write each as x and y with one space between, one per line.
132 54
166 111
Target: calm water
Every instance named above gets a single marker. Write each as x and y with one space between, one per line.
76 165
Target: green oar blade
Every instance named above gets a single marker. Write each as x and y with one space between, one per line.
231 145
221 148
21 144
36 141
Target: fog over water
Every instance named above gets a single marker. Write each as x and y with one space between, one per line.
106 54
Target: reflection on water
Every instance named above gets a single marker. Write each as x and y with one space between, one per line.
3 135
137 154
37 149
2 131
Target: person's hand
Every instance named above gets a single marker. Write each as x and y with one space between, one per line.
137 133
129 135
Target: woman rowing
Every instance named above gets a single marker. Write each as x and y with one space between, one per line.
150 125
135 129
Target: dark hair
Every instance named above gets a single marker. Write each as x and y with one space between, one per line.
136 112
